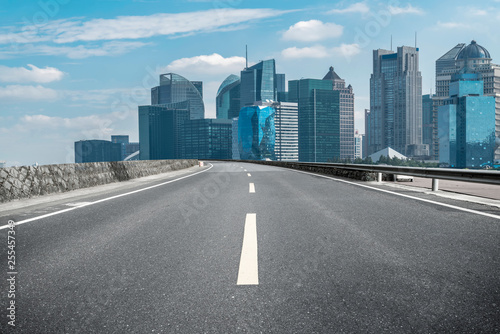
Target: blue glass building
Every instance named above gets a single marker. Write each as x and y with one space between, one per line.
228 98
466 124
159 130
206 139
97 151
258 83
318 119
256 133
174 88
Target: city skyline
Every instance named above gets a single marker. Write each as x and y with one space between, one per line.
72 76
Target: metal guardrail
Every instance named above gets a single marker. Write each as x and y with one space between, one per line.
436 174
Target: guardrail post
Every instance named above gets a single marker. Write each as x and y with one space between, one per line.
379 177
435 184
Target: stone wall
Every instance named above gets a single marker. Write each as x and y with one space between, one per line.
25 182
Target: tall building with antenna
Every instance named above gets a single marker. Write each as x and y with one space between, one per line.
395 118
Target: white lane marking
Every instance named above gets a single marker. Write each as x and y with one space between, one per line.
248 273
403 195
251 188
249 174
77 204
244 170
102 200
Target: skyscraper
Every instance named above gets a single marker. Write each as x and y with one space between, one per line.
286 123
466 124
358 145
396 103
319 119
258 83
346 114
256 133
174 88
159 130
472 58
206 139
228 98
427 120
97 151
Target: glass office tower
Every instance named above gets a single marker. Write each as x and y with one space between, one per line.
159 130
258 83
97 151
256 133
475 59
228 98
466 124
319 119
206 139
174 88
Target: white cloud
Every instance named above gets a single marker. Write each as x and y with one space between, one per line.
135 27
313 30
359 7
207 64
21 93
33 74
112 48
452 25
478 12
347 50
317 51
409 9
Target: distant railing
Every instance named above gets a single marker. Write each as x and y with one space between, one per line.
436 174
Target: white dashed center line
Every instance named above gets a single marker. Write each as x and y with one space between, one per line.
248 273
251 188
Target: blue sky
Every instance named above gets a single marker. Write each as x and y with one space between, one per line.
72 70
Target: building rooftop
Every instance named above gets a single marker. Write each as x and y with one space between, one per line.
472 51
331 75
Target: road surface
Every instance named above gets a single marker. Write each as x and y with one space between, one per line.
244 248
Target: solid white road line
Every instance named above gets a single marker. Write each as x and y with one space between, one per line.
249 174
102 200
251 188
248 274
403 195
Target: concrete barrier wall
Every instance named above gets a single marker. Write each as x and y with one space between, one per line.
352 174
25 182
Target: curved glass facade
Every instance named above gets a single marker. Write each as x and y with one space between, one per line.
256 133
174 88
228 98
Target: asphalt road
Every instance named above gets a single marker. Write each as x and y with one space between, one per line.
316 256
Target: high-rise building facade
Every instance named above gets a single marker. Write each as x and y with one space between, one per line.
346 114
228 98
466 124
319 119
256 133
206 139
358 145
395 118
286 122
427 121
258 83
472 58
174 88
97 151
159 130
235 148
